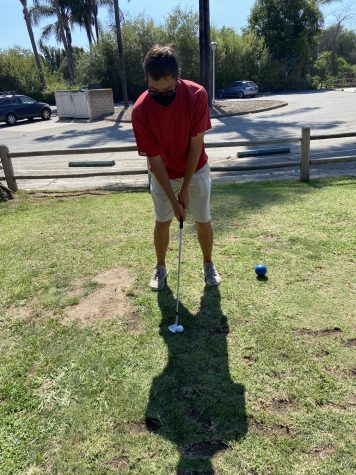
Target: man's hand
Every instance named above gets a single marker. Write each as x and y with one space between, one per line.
183 197
179 211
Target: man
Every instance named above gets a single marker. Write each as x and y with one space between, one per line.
169 121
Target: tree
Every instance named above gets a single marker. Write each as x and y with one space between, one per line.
120 48
27 18
341 42
290 29
83 15
61 9
341 17
68 50
204 45
181 29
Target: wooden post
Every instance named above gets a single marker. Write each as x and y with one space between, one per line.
8 170
305 155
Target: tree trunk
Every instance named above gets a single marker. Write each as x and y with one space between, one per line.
120 47
96 23
204 46
64 41
27 18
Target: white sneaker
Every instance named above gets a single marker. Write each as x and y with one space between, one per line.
212 276
159 278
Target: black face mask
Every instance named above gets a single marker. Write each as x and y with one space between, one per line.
163 98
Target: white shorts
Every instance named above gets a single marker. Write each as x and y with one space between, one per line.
199 196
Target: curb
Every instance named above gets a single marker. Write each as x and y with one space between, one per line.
215 116
255 111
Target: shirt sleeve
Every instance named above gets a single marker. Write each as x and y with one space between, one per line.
147 145
201 116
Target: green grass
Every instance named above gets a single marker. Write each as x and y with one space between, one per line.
261 381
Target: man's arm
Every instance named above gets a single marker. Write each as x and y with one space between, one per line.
194 154
160 172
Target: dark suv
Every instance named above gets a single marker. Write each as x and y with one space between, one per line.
15 106
239 89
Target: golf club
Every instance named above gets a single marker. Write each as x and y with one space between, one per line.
176 328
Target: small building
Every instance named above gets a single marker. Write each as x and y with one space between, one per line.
88 103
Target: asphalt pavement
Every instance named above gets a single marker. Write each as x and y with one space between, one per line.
324 112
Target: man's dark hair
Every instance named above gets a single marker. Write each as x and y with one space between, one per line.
160 62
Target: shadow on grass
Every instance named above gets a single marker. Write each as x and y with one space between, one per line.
194 403
237 201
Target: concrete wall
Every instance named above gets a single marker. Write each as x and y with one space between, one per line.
101 103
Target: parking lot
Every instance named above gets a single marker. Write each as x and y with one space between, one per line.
324 112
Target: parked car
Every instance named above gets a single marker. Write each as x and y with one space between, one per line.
15 106
239 89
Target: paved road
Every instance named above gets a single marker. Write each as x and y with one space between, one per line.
324 112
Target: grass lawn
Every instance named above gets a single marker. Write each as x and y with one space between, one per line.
262 380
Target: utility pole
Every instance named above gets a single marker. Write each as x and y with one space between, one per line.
204 46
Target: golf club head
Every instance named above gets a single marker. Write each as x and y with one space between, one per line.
176 328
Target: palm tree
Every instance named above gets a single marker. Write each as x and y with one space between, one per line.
120 47
67 46
27 17
60 29
204 45
83 15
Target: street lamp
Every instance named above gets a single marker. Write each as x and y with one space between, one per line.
213 45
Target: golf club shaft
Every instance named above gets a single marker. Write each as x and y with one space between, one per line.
179 259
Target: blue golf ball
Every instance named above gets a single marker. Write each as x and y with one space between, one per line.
261 270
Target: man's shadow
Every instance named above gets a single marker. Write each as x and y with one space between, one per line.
194 403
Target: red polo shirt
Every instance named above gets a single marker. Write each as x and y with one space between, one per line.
166 130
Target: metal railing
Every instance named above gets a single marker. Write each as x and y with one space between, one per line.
305 161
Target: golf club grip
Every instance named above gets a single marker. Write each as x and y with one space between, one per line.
181 223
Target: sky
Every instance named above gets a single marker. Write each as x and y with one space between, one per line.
229 13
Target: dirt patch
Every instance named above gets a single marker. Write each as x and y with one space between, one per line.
137 427
249 360
322 353
264 429
190 391
107 302
220 330
351 400
153 423
202 420
280 406
321 452
351 342
323 332
207 448
120 463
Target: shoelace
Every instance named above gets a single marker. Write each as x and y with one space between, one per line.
159 273
210 270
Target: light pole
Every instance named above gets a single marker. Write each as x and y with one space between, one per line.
213 45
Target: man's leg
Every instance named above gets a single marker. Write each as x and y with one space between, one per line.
161 241
205 238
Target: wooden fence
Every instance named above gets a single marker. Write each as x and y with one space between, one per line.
304 163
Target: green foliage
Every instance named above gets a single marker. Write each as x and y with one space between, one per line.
182 30
339 40
290 30
279 50
18 71
239 57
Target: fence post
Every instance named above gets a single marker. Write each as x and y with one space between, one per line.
8 169
305 154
